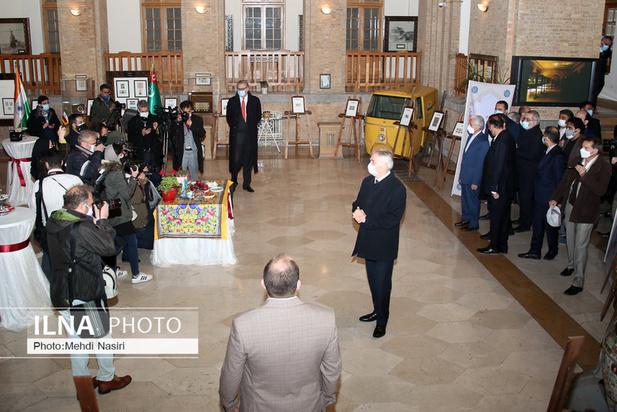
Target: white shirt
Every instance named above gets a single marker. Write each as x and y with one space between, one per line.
54 188
379 180
470 140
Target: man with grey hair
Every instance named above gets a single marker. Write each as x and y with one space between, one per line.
85 159
283 355
378 210
143 134
470 176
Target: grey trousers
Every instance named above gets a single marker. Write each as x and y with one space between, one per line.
577 242
189 162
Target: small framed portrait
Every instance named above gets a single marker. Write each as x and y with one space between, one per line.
81 85
170 102
406 116
224 107
459 128
122 88
131 104
89 106
352 108
202 80
324 81
297 105
141 87
35 104
435 123
8 106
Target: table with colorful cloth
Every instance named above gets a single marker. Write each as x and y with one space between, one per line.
19 183
191 232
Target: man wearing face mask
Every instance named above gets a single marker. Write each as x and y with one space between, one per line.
470 177
579 193
564 116
548 176
85 159
43 122
606 53
529 150
143 133
573 133
77 125
187 134
501 107
103 108
593 125
378 210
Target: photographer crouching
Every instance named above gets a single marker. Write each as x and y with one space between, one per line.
78 235
187 134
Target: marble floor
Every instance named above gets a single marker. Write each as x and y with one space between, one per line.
464 334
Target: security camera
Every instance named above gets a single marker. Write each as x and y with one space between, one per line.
441 4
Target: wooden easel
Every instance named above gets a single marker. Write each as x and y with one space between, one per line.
409 133
447 169
215 134
354 134
434 138
297 140
566 374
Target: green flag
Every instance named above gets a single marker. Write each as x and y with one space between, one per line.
154 97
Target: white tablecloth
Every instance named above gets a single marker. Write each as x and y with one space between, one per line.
18 194
24 289
194 251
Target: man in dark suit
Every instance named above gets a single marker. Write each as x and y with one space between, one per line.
580 190
498 183
378 210
593 125
243 117
476 147
143 133
501 107
548 175
529 151
187 133
43 121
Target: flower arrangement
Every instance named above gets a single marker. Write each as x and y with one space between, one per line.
181 173
168 183
263 84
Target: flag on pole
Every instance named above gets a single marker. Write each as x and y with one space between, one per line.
154 97
22 106
65 117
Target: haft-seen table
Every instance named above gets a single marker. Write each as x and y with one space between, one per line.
19 183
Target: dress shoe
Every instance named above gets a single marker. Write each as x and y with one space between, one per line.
468 228
95 382
462 223
529 255
606 214
248 189
489 251
520 229
485 217
379 332
512 232
550 255
369 317
573 290
605 235
567 272
486 236
113 385
233 186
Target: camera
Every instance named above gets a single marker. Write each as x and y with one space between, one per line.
185 116
167 114
610 146
113 203
129 166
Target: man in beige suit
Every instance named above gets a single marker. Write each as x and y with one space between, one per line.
284 354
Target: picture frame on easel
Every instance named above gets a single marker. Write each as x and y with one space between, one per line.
435 123
224 107
352 108
406 116
459 129
297 105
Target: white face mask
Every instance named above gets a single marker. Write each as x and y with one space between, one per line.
372 169
569 134
89 210
585 154
470 130
561 123
144 114
92 146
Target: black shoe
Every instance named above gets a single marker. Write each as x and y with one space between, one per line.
485 217
379 332
605 235
462 223
529 255
567 272
486 236
371 317
519 229
550 255
606 214
573 290
512 232
248 189
489 251
233 186
468 228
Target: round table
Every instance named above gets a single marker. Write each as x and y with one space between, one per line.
24 289
19 182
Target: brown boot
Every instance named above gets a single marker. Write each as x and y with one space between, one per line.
114 384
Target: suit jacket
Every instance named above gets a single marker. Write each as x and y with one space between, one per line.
514 128
498 170
148 142
593 184
234 116
528 153
549 174
177 133
384 204
36 120
473 160
285 356
594 128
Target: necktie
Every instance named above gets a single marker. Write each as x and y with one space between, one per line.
243 110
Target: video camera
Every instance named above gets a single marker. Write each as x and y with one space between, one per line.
166 114
610 146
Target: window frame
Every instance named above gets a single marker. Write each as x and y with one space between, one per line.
162 5
263 4
362 5
47 5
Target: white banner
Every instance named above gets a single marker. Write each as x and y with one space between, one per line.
481 99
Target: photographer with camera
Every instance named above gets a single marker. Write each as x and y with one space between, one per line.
187 134
104 109
143 133
85 159
120 186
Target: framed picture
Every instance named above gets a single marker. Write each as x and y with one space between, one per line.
224 107
171 102
459 128
400 34
203 81
35 104
141 87
352 108
14 36
324 81
81 85
89 106
406 116
8 106
202 101
132 104
297 105
435 121
122 88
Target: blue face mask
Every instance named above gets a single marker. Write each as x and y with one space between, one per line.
498 112
525 125
241 93
105 97
590 111
45 107
604 48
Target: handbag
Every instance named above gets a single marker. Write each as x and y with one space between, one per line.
111 282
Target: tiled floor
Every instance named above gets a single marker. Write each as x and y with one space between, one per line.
456 340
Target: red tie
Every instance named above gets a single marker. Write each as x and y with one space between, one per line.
243 110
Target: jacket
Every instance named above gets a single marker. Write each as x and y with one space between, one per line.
36 120
92 243
473 159
234 116
84 163
117 186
